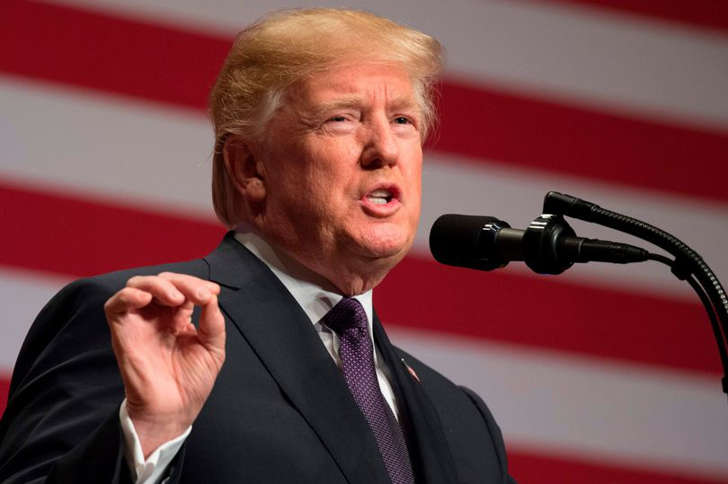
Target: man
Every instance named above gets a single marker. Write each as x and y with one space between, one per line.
288 376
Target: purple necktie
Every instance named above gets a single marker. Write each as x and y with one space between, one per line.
349 321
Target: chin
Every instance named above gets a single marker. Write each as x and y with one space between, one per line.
389 244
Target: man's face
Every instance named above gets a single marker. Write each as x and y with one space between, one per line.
342 173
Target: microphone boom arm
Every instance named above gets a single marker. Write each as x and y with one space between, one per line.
687 265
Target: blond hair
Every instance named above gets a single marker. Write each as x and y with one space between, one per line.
285 47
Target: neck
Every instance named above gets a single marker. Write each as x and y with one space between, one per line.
340 279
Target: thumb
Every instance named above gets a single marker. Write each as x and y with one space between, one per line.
211 328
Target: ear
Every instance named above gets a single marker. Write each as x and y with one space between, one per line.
246 173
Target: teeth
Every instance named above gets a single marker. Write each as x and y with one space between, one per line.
380 196
381 193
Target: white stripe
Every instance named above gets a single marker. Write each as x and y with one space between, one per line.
616 413
141 154
578 55
456 185
115 148
22 295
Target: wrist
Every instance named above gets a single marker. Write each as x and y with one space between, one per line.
154 430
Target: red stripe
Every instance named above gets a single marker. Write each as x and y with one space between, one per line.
548 312
537 468
551 137
700 13
79 237
4 388
163 64
110 54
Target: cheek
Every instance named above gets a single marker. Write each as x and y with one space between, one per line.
414 173
414 177
333 171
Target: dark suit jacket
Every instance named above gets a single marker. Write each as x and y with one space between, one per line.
280 410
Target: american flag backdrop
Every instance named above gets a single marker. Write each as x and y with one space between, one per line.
605 374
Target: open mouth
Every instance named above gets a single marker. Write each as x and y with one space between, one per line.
380 196
383 201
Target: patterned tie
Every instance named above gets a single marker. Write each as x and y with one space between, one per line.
349 321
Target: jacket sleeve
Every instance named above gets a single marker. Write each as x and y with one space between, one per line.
61 424
495 433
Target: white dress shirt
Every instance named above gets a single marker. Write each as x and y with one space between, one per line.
315 302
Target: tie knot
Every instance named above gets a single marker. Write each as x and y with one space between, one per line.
347 314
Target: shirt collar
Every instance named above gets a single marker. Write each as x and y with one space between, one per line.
315 300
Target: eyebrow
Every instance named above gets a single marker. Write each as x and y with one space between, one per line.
341 103
355 102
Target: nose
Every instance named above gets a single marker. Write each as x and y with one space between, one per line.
380 147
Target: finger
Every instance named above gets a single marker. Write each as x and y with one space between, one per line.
127 299
195 289
211 327
160 288
192 280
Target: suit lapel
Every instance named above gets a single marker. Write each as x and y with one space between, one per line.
284 339
430 454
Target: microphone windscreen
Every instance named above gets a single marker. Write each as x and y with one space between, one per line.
455 239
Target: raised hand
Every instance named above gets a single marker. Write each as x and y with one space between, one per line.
168 366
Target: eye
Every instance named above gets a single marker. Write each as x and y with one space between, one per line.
339 123
405 123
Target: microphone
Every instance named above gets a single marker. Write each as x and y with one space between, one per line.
548 246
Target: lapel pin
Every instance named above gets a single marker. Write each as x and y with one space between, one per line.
411 371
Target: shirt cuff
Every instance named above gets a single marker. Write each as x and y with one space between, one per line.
151 470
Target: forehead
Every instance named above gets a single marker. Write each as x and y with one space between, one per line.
364 82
